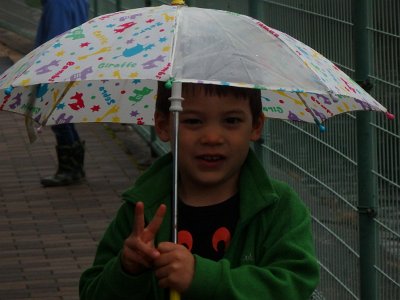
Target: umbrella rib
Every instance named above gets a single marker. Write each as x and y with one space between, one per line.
66 90
310 111
28 117
175 37
279 35
228 35
221 26
304 62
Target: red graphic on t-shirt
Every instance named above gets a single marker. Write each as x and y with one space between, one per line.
185 239
221 235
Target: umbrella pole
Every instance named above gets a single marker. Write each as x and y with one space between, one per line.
176 107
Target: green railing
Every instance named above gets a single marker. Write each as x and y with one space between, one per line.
349 176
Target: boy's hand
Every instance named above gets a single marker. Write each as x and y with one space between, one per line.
139 252
174 267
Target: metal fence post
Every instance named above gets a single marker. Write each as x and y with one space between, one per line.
253 9
95 8
118 5
258 145
366 189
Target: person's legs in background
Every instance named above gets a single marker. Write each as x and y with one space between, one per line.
70 155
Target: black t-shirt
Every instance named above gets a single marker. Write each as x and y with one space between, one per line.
207 230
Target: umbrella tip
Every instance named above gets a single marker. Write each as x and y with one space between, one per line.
390 116
177 2
321 127
9 90
169 83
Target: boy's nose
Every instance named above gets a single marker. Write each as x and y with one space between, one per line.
212 136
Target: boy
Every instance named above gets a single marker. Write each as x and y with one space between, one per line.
241 235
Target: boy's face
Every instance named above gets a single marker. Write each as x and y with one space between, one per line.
214 138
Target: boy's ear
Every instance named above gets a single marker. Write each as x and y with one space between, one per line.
161 125
258 126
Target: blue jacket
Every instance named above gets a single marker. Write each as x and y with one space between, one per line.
59 16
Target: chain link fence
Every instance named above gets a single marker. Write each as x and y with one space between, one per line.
323 167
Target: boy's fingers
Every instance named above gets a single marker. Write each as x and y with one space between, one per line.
143 249
157 220
138 223
134 261
169 252
135 257
165 247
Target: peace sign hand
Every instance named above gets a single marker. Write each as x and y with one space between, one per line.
139 252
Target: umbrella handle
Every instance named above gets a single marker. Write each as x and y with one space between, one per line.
176 107
178 2
174 295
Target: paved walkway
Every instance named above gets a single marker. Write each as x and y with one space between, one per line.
48 236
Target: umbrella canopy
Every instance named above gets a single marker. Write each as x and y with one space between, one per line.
107 69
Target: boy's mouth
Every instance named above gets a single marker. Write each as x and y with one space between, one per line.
211 158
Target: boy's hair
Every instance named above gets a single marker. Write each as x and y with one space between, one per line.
254 95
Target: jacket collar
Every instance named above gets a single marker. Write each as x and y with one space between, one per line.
256 190
155 187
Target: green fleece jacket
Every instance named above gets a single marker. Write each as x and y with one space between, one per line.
271 254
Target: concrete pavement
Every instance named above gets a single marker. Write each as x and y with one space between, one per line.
48 236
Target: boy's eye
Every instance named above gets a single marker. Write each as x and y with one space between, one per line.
233 120
191 121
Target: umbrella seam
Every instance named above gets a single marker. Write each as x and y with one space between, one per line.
278 36
175 38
